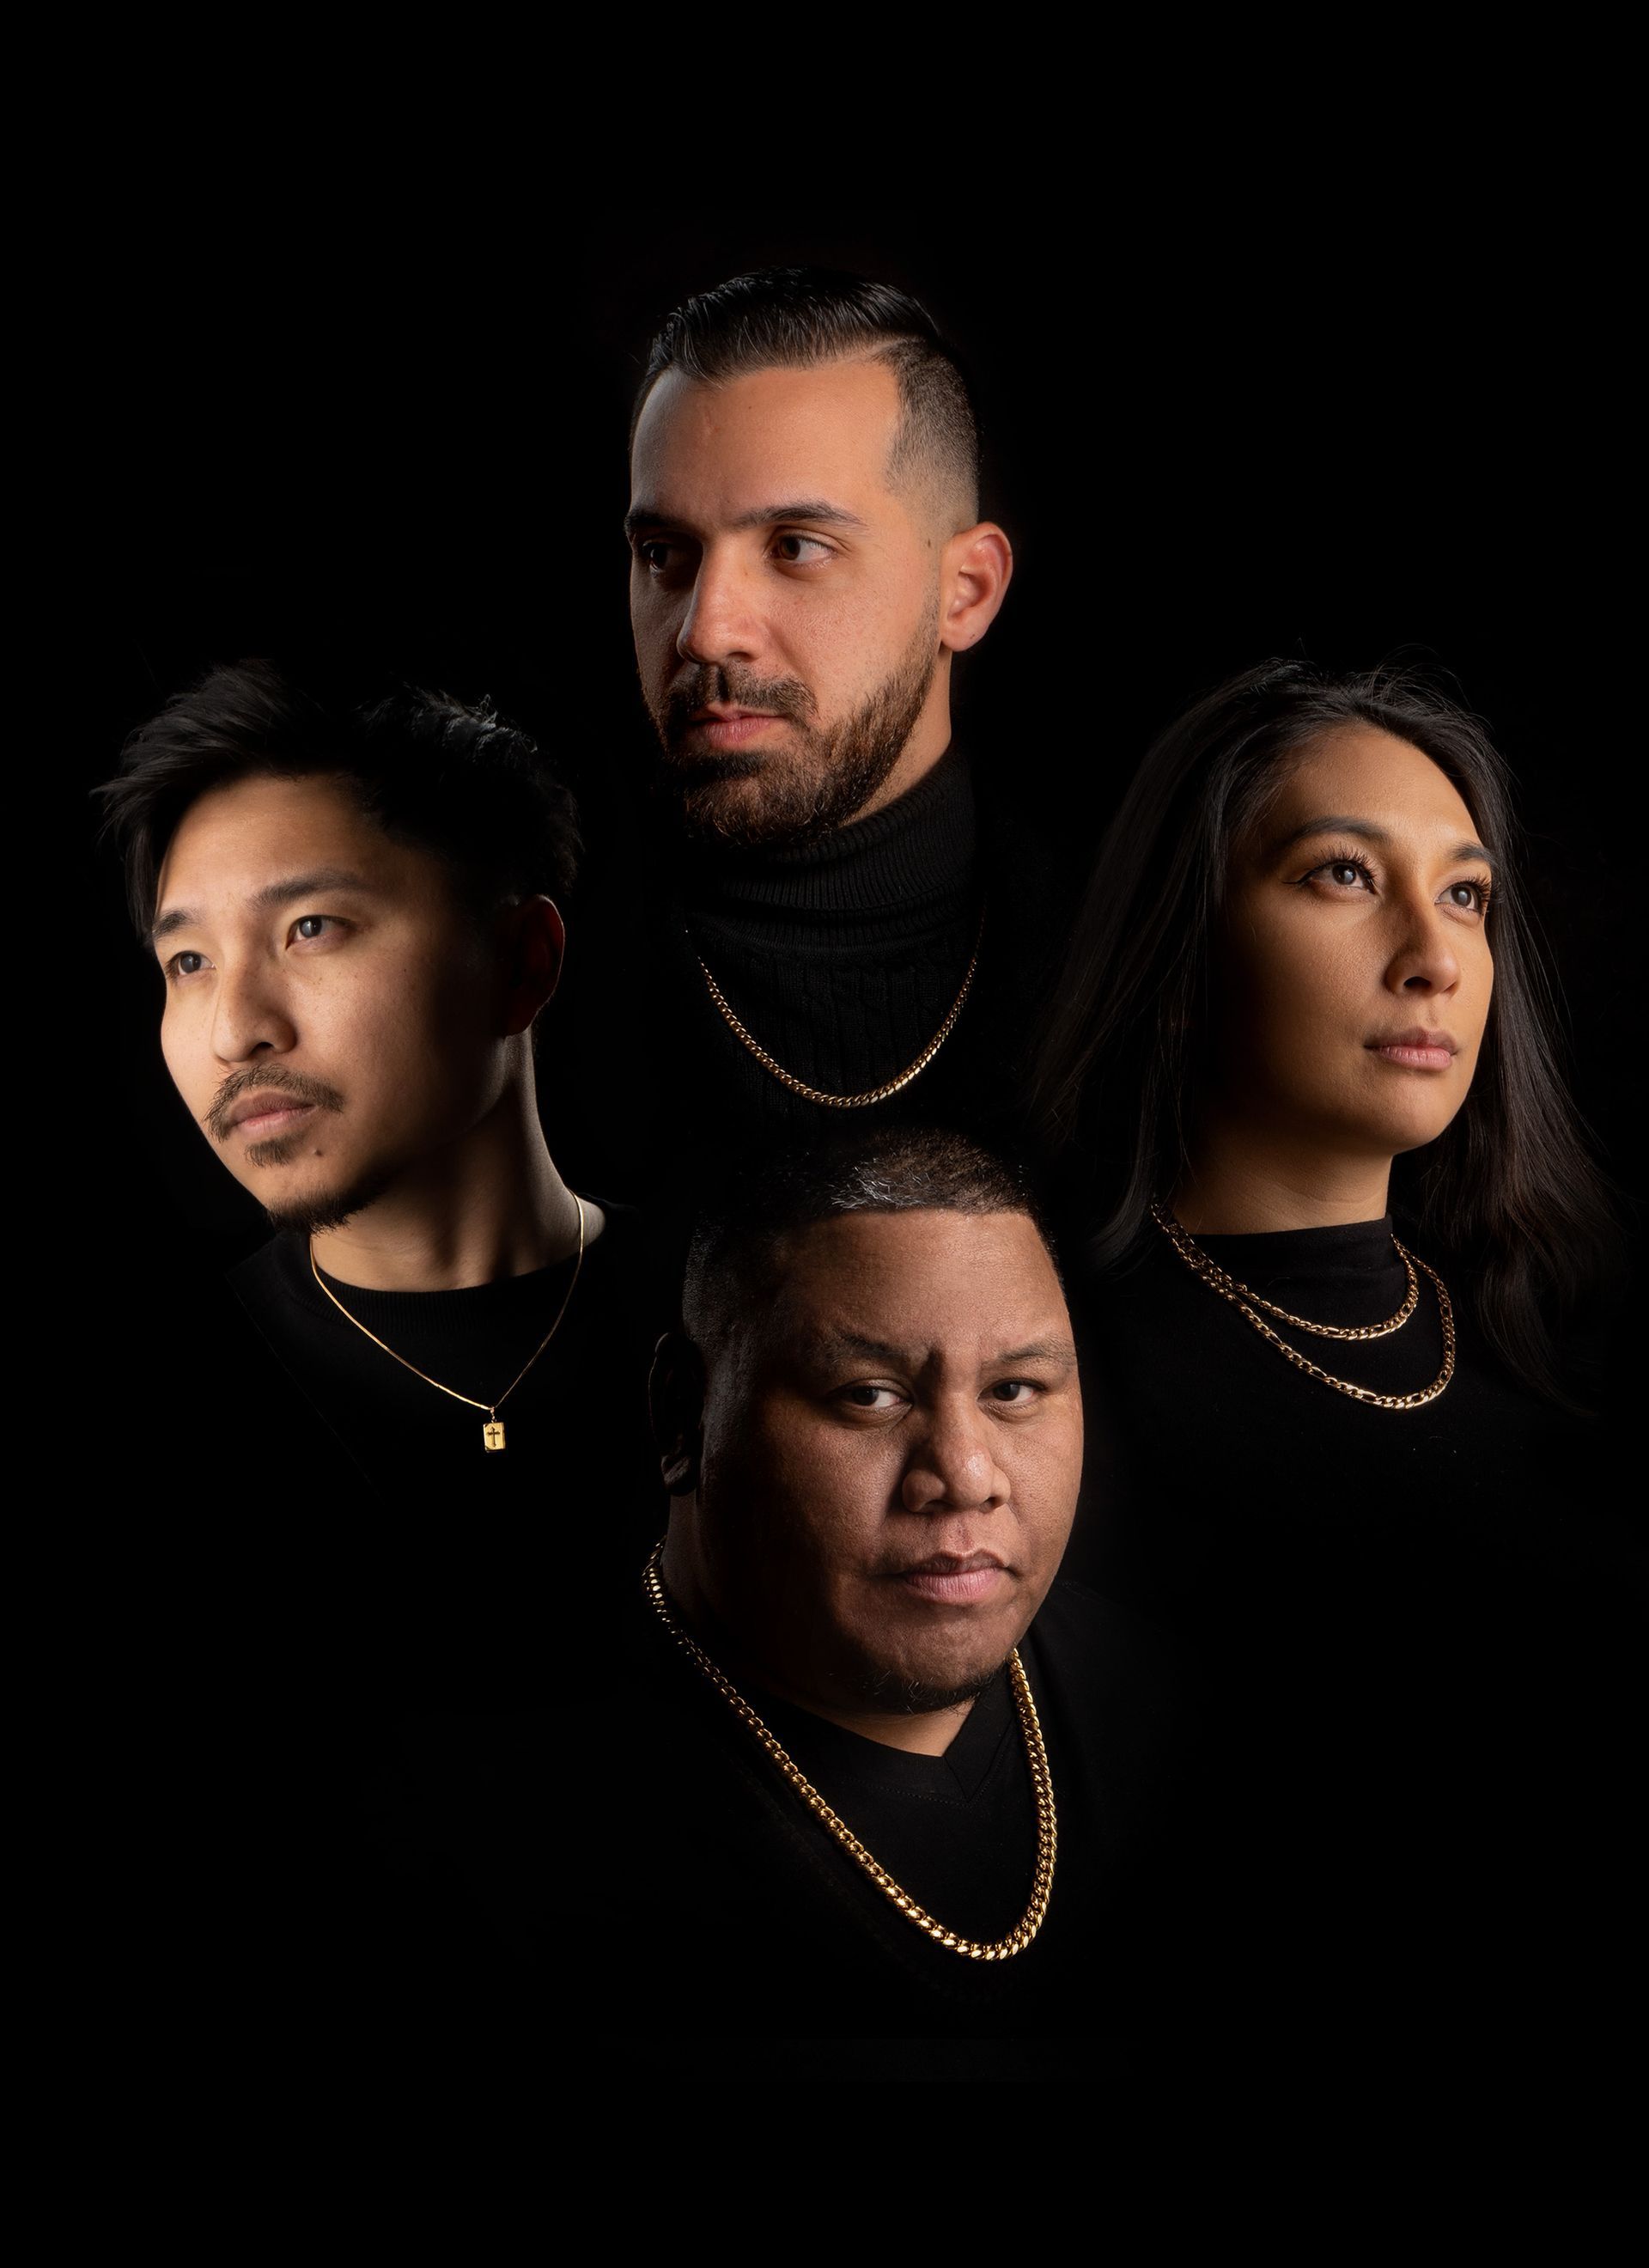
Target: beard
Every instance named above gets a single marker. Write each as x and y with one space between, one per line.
910 1698
323 1209
826 778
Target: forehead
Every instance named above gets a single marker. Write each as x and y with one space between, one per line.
1358 771
938 1282
235 839
769 437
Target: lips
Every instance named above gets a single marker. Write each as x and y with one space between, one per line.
726 728
259 1114
951 1579
1417 1048
260 1103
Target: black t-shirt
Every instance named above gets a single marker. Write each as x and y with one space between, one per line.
579 1408
767 1928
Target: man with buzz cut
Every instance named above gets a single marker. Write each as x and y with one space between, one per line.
353 907
851 921
900 1782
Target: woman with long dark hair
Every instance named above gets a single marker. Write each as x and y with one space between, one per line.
1335 1227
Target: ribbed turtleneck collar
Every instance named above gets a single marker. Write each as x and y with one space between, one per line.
916 852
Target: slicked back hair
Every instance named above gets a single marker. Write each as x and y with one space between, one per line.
733 1262
454 780
795 318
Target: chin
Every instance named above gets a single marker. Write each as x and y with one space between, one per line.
313 1211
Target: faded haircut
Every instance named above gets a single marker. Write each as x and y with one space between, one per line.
795 318
735 1259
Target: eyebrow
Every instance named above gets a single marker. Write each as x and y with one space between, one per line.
1060 1353
822 513
272 894
1339 824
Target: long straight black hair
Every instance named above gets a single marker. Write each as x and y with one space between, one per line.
1509 1188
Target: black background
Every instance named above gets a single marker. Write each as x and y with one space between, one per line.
1204 458
1205 453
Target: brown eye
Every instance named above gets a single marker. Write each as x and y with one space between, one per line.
1469 896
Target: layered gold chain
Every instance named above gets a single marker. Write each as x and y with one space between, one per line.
1247 1301
971 1948
872 1094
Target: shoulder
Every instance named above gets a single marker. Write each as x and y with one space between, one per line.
277 1272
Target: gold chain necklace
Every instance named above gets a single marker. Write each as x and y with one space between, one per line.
872 1094
1002 1949
1246 1301
492 1431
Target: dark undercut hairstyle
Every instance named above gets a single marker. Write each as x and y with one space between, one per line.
430 772
735 1262
1508 1190
795 318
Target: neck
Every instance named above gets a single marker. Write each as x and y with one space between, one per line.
488 1206
1244 1181
921 754
925 1733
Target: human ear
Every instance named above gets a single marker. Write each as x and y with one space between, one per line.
978 567
676 1404
538 945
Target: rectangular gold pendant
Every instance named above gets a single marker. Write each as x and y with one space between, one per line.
492 1434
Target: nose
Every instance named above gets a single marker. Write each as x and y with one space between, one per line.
952 1465
1423 961
250 1018
720 623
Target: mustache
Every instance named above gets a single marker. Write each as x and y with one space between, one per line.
733 688
292 1083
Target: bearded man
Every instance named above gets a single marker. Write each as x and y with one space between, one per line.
807 561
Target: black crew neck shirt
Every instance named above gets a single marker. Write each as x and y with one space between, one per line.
576 1434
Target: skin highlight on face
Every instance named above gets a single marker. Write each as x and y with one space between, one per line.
1353 989
795 612
887 1470
349 1036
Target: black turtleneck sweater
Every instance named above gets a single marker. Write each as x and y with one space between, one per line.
843 960
1422 1628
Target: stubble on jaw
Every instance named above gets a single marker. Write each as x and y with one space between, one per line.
754 802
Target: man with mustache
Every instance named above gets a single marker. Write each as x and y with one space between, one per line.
898 1782
842 929
353 905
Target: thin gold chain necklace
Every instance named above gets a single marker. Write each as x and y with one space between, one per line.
871 1094
1002 1948
1247 1301
492 1431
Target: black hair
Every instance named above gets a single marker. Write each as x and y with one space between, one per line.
794 318
453 779
1509 1187
732 1262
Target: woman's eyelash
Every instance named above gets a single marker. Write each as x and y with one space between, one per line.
1340 858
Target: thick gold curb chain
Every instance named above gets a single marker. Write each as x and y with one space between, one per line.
1240 1296
874 1094
971 1948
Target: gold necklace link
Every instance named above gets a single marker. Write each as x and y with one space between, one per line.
1002 1948
491 1408
872 1094
1213 1273
1239 1296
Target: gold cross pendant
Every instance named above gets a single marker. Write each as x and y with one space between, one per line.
492 1434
